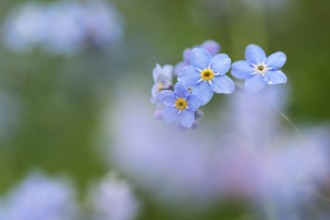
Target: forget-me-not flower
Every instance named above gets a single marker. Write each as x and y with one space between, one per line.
210 45
206 74
162 80
180 105
259 70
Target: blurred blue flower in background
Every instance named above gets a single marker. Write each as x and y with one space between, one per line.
259 70
40 198
62 27
25 27
113 199
206 74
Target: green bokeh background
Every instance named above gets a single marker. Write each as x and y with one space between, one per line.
62 99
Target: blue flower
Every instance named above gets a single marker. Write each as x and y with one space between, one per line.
206 75
211 46
258 70
180 105
162 80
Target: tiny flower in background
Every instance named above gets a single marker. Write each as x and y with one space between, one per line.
180 104
62 27
210 45
25 27
65 30
102 24
206 75
162 80
113 199
40 198
258 70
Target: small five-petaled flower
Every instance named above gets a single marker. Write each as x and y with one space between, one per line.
180 105
259 70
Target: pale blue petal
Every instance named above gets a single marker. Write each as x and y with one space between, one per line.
167 97
254 83
187 118
211 46
179 67
203 92
156 71
276 77
189 76
180 90
170 114
241 69
168 72
154 89
200 58
255 54
193 102
186 55
223 84
221 63
276 60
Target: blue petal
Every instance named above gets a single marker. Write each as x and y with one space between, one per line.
170 114
221 63
193 102
186 55
211 46
180 90
154 89
156 71
276 77
255 54
189 76
203 92
223 84
187 118
276 60
167 97
241 69
254 83
179 67
200 58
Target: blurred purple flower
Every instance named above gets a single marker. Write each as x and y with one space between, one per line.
40 198
113 199
62 27
24 27
246 154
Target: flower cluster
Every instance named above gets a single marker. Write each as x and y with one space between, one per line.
62 27
203 73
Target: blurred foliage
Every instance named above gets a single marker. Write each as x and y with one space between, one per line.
61 99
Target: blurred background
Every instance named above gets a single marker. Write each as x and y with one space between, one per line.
66 66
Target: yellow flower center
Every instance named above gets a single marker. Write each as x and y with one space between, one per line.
260 68
207 74
160 87
181 104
